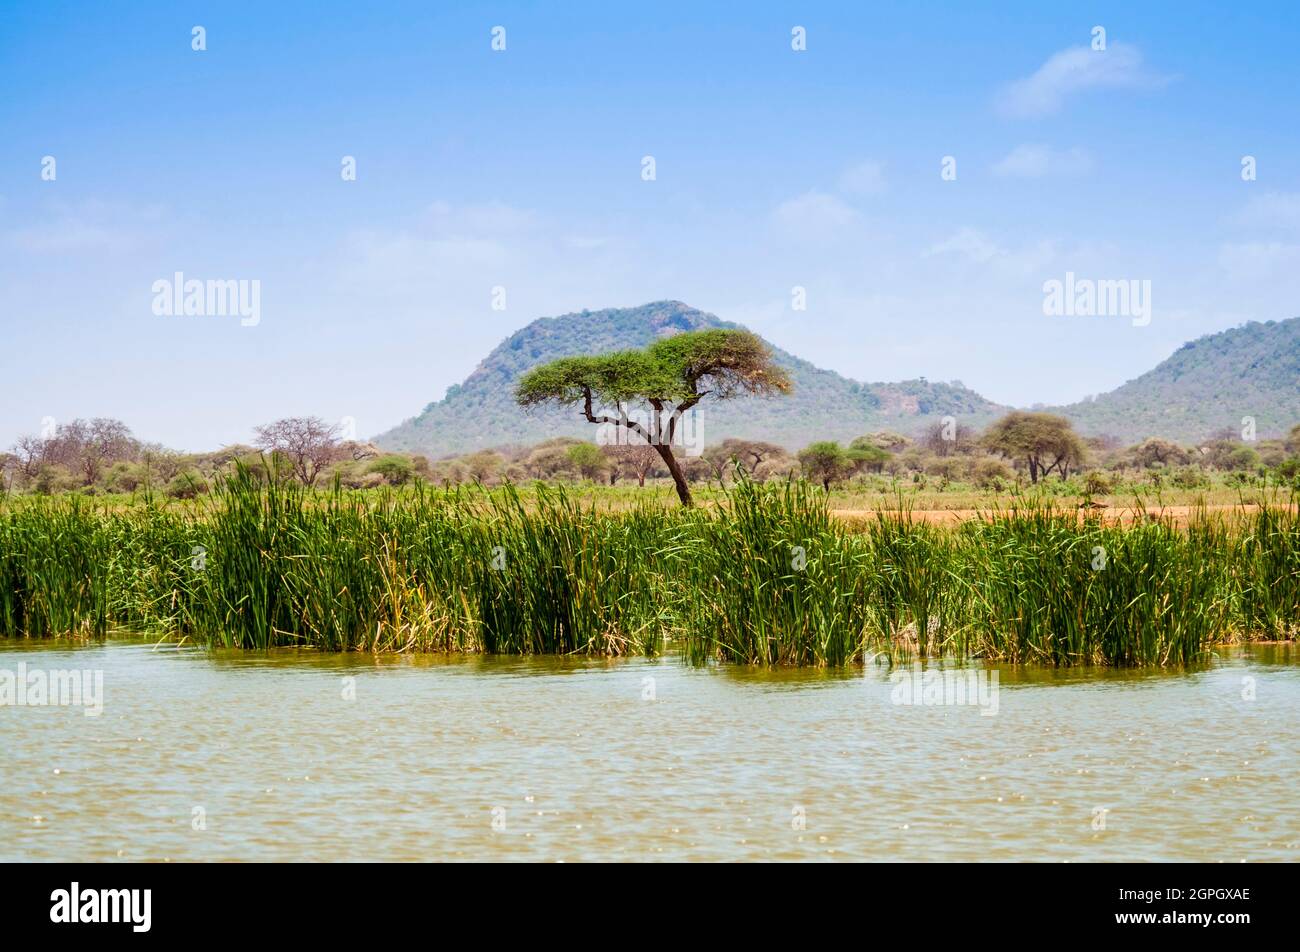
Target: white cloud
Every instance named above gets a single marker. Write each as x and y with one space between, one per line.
67 235
492 219
1272 210
865 178
91 225
1254 260
813 213
586 242
1075 70
998 262
969 243
1037 161
445 262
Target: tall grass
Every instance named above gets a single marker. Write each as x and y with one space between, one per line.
769 577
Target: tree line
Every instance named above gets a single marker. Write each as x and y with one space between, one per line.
671 376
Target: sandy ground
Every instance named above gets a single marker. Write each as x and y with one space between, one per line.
1124 515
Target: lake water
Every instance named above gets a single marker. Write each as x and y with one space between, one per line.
296 756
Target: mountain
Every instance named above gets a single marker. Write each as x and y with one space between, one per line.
1207 385
481 412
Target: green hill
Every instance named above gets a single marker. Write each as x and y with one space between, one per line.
481 412
1207 385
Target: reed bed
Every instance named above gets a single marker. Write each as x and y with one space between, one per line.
767 577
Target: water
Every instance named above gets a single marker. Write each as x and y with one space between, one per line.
224 756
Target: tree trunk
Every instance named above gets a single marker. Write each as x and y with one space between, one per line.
1033 470
679 479
640 480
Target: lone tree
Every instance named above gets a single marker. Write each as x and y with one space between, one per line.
308 443
1044 441
672 375
868 454
1155 450
825 462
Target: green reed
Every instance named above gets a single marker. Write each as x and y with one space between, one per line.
765 577
55 569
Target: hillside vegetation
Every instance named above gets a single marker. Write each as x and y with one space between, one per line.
1204 389
481 412
1207 386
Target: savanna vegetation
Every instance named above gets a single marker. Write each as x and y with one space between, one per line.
949 465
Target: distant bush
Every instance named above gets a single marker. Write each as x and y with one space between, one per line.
991 473
187 485
54 479
1095 483
1189 477
125 477
393 469
946 467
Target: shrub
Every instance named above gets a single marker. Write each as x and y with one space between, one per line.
1095 483
393 469
1189 477
187 485
991 473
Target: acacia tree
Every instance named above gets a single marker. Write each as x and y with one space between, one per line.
636 458
88 446
672 375
867 454
1155 450
308 443
747 454
30 453
484 465
1037 438
825 462
946 437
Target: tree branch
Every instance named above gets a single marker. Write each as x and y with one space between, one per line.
677 413
589 413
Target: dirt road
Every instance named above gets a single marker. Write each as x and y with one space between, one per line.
1124 515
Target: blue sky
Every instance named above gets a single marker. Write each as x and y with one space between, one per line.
522 169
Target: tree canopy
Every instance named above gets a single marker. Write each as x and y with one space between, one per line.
680 370
825 461
1044 441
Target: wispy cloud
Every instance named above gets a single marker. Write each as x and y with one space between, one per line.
969 243
90 226
1271 210
812 214
865 178
971 246
1255 260
1039 161
486 220
1076 70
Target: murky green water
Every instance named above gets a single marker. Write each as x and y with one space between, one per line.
223 756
